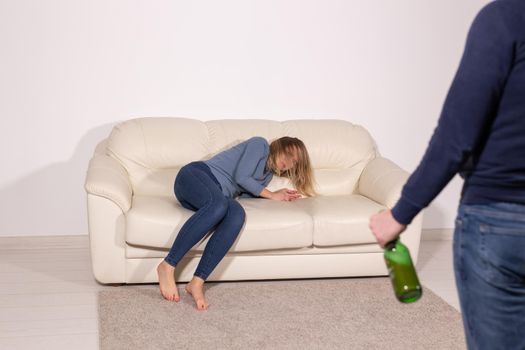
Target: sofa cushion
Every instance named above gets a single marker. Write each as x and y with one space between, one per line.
341 220
332 144
147 145
154 221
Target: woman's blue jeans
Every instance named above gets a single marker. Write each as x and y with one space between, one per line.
489 263
197 189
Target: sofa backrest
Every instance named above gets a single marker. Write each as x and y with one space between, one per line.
153 150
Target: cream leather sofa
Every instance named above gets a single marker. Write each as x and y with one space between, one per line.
134 217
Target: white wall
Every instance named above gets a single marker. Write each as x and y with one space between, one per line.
69 70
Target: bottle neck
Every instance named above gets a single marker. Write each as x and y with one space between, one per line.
391 245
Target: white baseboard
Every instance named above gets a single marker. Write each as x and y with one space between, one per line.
44 242
437 234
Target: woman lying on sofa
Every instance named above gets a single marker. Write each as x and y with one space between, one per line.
210 187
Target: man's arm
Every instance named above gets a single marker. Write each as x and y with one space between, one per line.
468 112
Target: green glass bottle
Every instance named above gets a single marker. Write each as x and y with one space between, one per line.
402 272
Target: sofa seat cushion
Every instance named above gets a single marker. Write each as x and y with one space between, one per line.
155 222
341 220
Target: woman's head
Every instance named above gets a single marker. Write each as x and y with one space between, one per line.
289 158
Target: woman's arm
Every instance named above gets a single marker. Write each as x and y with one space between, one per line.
255 151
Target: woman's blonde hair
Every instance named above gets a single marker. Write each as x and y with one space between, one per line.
301 175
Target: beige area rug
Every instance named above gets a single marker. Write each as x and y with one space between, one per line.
353 313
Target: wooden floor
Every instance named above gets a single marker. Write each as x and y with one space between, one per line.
48 294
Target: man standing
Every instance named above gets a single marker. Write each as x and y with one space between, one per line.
481 136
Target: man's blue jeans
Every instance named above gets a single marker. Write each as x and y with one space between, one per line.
489 263
197 189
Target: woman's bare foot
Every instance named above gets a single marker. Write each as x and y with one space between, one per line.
196 288
167 285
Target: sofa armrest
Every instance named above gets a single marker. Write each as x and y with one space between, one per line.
107 178
382 181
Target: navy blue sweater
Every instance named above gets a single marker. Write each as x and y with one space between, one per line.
481 130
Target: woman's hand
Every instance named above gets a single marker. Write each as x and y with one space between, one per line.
285 194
